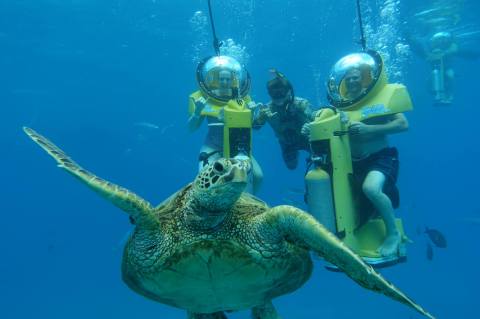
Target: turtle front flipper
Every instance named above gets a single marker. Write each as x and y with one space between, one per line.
126 200
299 227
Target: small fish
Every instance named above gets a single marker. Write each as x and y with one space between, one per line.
147 125
429 251
437 238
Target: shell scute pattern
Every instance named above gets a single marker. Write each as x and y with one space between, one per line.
237 227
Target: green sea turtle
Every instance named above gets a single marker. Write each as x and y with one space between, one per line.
211 249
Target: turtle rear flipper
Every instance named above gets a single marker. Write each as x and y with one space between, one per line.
134 205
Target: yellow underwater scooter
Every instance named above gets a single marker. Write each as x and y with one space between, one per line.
332 195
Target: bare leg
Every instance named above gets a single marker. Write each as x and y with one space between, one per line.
266 311
215 315
372 187
290 156
449 79
257 176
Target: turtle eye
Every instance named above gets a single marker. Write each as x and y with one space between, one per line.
218 167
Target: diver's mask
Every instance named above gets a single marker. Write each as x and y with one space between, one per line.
280 89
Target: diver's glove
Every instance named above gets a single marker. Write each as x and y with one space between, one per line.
305 131
266 112
221 115
255 109
254 106
344 118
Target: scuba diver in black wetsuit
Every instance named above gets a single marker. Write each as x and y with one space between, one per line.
288 116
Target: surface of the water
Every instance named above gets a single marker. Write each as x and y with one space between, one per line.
90 74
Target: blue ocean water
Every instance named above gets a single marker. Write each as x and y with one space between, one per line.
108 82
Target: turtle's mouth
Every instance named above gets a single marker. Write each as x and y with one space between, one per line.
236 175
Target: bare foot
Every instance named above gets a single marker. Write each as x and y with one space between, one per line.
390 245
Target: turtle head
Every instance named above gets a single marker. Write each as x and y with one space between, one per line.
219 184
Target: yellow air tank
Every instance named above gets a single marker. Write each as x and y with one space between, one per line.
320 198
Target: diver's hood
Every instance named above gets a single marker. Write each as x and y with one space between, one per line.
208 78
369 66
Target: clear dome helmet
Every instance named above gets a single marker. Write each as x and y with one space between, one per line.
354 78
223 78
441 40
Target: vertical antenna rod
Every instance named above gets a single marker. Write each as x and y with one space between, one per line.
216 43
363 41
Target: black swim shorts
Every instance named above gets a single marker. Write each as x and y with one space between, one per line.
386 162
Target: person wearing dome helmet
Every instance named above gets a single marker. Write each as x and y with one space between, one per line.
377 164
222 81
288 116
439 49
351 186
374 162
